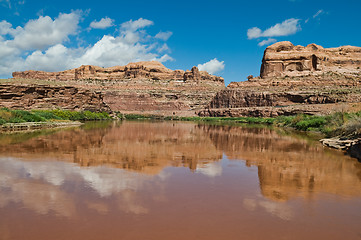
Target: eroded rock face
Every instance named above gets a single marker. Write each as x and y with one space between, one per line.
51 97
140 70
285 59
295 79
141 88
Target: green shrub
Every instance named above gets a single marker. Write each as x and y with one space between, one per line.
311 123
26 116
16 120
46 114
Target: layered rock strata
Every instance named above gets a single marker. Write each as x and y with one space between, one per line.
51 97
333 84
140 70
143 87
283 58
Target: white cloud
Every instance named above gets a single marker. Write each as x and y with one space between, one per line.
54 58
318 13
44 32
137 24
212 66
102 23
164 35
267 41
287 27
42 44
254 32
211 169
163 48
6 28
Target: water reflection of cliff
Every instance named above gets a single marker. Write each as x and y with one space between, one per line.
140 146
289 167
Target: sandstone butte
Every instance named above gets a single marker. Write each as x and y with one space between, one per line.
293 79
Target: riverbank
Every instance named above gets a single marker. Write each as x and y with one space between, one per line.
56 115
340 124
21 120
340 130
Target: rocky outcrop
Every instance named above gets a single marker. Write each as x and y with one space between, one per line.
351 146
332 84
140 70
142 88
51 97
285 59
276 101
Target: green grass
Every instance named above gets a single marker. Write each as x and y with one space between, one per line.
20 116
337 124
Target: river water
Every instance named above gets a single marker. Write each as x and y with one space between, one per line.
166 180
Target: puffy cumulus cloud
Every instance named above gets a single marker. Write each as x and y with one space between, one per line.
43 32
287 27
164 35
212 66
111 51
267 41
42 44
6 28
55 58
102 23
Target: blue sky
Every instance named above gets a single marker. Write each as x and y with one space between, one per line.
226 38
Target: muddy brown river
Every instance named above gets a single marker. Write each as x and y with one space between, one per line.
175 180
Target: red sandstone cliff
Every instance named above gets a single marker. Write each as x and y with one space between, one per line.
283 58
140 70
295 79
142 87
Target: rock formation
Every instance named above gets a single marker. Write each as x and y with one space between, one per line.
51 97
140 70
295 79
143 87
285 59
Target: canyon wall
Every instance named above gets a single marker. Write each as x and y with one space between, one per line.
295 79
143 87
151 70
51 97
